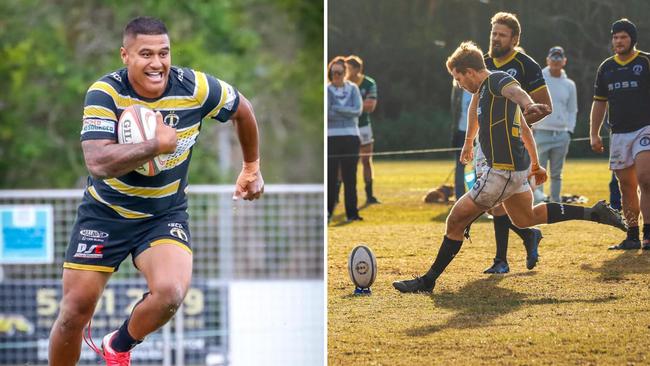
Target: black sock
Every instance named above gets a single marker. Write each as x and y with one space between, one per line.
122 341
646 231
557 212
447 252
369 189
501 227
524 233
633 232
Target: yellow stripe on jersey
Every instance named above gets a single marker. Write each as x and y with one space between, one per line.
97 111
187 132
596 97
167 103
144 192
222 101
176 161
201 88
537 89
124 212
88 267
503 166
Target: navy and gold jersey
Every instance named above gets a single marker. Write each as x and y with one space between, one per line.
521 67
368 89
189 97
499 122
625 86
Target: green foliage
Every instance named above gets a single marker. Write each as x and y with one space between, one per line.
53 51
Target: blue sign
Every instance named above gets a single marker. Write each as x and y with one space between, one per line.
26 234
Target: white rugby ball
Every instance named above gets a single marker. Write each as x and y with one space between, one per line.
138 124
362 266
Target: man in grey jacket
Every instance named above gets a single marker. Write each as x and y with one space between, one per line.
553 133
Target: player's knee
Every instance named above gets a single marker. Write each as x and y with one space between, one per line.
170 295
521 222
75 313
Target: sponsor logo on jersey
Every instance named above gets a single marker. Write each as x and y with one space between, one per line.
94 233
175 224
97 125
512 72
180 74
636 69
178 233
645 141
116 76
623 85
171 119
92 251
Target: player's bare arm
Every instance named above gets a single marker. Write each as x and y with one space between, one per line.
598 109
533 112
467 152
250 184
529 143
108 159
542 96
369 105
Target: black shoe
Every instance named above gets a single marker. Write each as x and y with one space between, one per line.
354 218
418 284
608 216
372 200
627 245
498 267
532 244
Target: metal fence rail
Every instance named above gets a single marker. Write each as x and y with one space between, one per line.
278 238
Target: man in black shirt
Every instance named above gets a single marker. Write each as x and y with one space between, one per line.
505 55
511 158
622 87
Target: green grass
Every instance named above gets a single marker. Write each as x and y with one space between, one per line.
582 304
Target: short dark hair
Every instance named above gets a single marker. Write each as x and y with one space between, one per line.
467 56
144 25
338 60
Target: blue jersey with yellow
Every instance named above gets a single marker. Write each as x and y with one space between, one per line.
499 121
625 85
190 96
521 67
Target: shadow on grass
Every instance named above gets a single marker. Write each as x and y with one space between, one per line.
627 262
480 302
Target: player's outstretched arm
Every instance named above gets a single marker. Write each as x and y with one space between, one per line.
467 152
250 184
529 143
108 159
542 96
598 108
533 112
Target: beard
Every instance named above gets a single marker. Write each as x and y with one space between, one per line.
499 51
626 51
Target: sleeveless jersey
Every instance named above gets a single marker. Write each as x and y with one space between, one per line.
499 125
625 86
189 97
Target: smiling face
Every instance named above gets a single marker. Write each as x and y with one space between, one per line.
501 40
148 62
621 43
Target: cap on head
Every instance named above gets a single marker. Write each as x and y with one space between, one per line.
624 25
556 53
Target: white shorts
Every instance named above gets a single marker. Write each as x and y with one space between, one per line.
365 134
625 146
495 186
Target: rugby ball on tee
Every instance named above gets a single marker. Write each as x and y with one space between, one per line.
362 266
138 124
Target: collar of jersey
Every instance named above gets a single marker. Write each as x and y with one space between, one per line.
499 64
623 63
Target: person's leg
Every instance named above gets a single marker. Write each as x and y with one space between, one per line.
81 291
333 170
349 174
462 214
614 193
557 156
368 171
642 164
167 267
628 184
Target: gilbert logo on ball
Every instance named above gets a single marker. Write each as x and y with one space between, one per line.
362 268
138 124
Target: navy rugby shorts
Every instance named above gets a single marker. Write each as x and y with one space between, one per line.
101 242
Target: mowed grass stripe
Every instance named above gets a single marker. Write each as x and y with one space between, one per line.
582 305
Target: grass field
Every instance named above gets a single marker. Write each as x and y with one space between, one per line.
582 304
